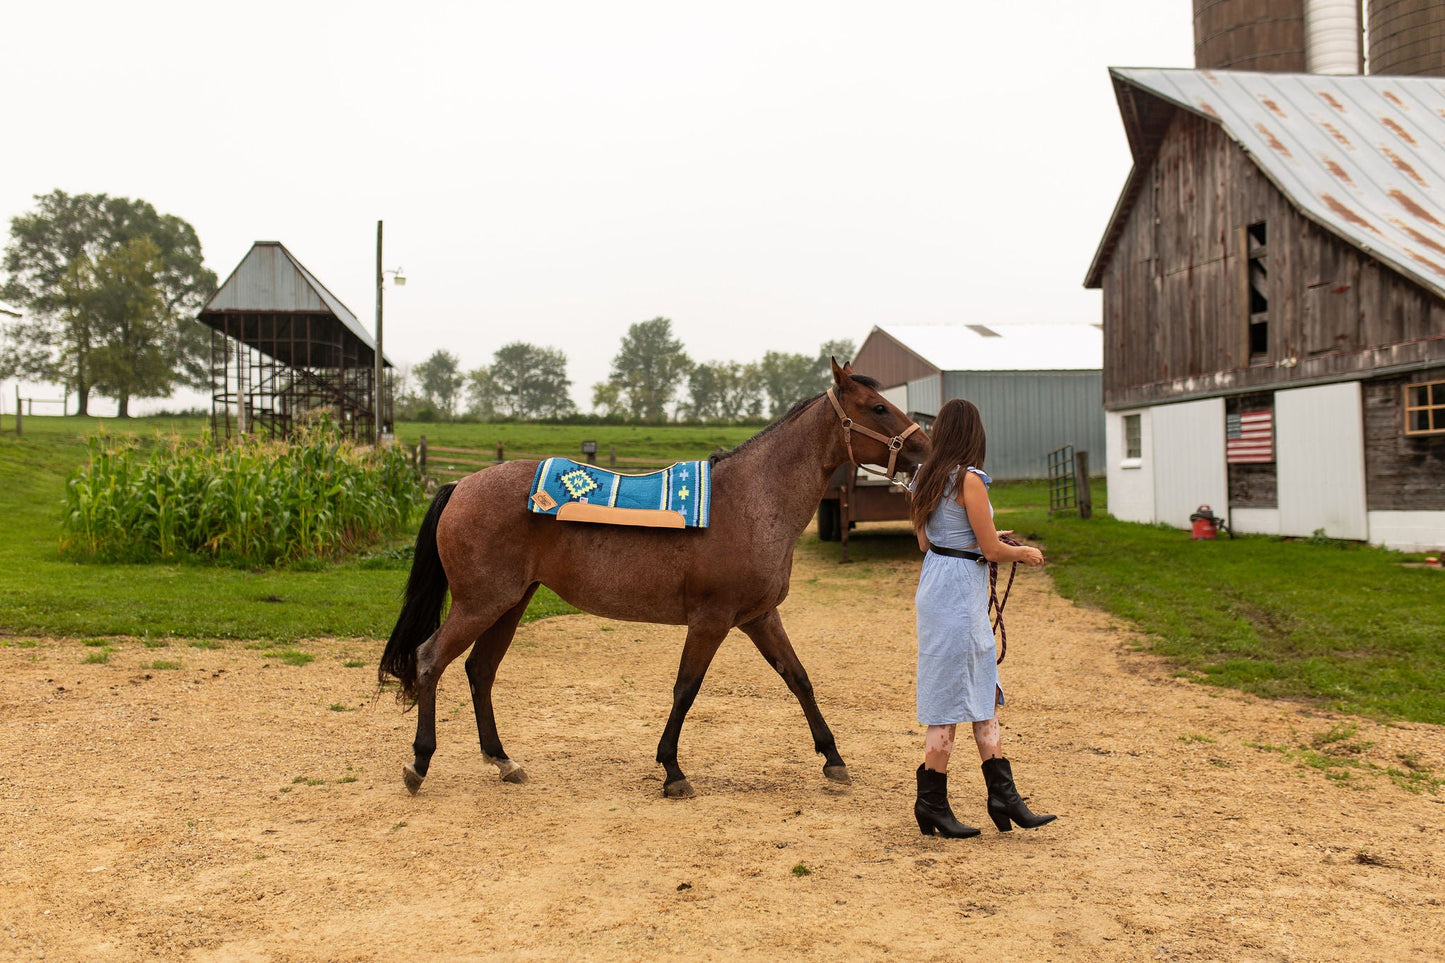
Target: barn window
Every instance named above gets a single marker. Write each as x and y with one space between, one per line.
1425 408
1133 442
1258 300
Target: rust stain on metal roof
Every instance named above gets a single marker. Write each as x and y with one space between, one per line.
1274 107
1208 108
1418 238
1337 170
1400 132
1273 140
1329 98
1335 133
1390 96
1416 255
1209 76
1404 166
1408 203
1347 213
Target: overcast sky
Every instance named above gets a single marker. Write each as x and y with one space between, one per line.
769 175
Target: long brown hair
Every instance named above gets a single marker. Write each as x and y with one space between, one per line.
957 441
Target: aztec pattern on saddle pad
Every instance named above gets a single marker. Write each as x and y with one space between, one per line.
685 488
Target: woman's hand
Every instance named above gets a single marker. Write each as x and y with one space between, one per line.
1031 555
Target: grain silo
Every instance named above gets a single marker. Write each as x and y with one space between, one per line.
1260 35
1407 37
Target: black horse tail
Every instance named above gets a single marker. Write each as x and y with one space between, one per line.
421 612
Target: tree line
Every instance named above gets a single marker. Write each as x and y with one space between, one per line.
112 288
652 380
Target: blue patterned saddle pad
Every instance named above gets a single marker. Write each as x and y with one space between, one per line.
684 490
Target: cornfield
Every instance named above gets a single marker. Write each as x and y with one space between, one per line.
254 502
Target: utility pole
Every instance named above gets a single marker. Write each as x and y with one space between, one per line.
380 364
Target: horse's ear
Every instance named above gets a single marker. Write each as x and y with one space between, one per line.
840 374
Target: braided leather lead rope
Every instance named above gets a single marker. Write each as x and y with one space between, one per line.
996 604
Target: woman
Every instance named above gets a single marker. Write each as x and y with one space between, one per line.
957 668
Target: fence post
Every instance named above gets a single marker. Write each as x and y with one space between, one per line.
500 457
1081 484
612 457
421 457
18 416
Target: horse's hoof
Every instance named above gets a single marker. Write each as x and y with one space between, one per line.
680 789
511 772
838 773
412 780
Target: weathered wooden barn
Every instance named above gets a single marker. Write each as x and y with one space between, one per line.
1273 280
283 347
1038 386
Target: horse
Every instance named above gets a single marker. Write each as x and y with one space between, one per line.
479 541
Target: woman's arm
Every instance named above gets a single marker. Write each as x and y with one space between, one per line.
974 499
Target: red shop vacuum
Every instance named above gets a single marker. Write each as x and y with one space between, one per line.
1207 524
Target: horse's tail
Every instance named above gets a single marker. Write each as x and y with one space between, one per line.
421 612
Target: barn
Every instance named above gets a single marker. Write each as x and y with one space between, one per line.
1273 279
1038 386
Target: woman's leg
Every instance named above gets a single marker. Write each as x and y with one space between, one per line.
937 747
986 734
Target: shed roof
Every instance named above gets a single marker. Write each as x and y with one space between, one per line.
270 280
1003 347
1363 157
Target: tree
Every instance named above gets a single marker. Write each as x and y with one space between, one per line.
481 394
843 349
649 368
607 400
73 265
439 380
531 382
723 391
784 379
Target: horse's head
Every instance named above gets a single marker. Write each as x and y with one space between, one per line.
875 430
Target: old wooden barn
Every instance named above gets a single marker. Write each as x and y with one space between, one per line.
1038 386
1273 281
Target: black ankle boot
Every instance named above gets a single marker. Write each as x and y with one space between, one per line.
1003 799
931 810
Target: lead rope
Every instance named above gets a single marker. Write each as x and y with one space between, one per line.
996 604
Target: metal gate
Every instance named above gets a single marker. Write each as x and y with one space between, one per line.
1063 490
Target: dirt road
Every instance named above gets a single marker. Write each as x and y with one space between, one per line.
242 808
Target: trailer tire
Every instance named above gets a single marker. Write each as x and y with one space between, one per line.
829 527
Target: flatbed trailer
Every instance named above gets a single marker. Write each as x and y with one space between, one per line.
853 496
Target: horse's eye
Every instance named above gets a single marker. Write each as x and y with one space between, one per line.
880 409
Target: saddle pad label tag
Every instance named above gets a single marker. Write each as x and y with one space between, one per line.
544 502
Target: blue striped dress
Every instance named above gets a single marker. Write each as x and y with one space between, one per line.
957 672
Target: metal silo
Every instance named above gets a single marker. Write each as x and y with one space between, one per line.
1267 35
1334 43
1407 37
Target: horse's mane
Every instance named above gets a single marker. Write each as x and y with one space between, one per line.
788 416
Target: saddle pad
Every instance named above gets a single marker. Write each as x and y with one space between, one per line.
674 497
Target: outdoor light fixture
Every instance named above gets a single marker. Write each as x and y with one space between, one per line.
400 278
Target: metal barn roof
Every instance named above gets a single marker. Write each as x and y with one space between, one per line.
1363 157
1003 347
270 280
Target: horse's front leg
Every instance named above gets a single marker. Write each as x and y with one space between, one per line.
702 644
768 635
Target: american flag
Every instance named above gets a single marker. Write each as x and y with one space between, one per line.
1249 437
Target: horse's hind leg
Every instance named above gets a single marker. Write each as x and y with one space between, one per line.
461 628
768 635
697 652
481 672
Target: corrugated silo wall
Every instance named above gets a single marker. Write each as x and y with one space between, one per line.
1029 413
1264 35
1407 37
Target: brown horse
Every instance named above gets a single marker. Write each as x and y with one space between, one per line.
480 540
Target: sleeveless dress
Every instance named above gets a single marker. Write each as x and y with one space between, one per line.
957 672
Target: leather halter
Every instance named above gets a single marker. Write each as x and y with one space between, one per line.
895 444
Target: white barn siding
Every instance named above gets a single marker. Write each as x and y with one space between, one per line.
897 396
1408 531
1320 454
924 395
1131 484
1189 467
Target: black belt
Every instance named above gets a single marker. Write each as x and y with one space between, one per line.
968 553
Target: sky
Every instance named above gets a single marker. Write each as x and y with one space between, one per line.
768 175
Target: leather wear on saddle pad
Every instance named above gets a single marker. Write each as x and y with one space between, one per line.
675 497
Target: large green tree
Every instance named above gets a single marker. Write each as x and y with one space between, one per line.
723 391
106 313
648 369
529 382
439 380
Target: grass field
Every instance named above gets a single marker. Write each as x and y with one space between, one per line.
1345 624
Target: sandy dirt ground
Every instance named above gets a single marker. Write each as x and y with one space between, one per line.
242 808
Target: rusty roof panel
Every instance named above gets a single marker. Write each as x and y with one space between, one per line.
1351 152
